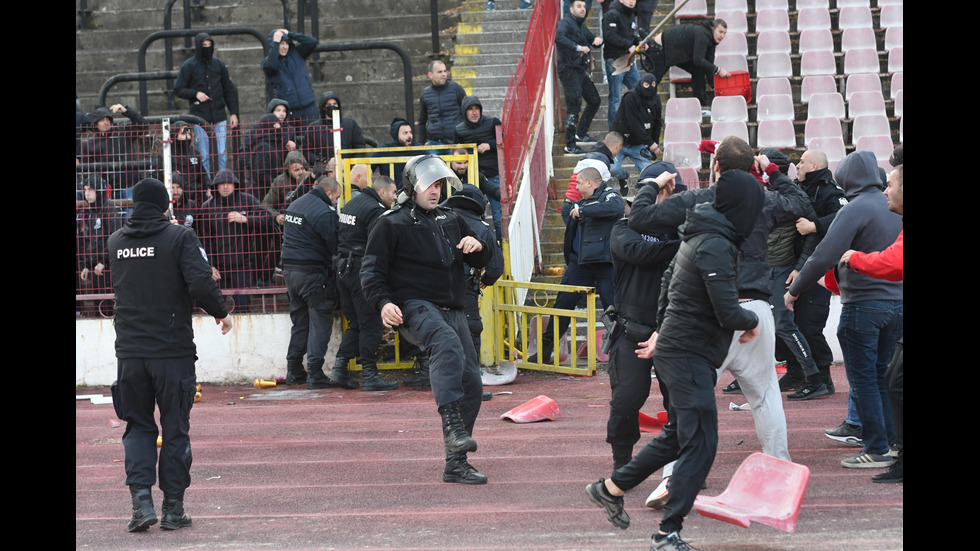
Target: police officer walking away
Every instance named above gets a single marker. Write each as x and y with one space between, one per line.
363 335
158 270
413 273
309 242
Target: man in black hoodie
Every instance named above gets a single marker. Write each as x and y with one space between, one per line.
401 136
482 131
204 81
690 47
639 121
159 271
698 315
319 142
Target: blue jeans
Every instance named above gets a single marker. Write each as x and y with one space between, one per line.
634 152
220 130
629 79
867 333
497 211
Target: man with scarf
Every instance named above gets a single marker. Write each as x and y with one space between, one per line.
204 81
160 272
698 315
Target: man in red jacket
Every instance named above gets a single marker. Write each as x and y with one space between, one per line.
888 264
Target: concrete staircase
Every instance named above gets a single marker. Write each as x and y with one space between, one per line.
370 83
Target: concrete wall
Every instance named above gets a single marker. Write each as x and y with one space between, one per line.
256 348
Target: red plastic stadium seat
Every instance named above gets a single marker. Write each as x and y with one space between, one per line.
764 489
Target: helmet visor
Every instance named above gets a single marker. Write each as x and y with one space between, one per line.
430 171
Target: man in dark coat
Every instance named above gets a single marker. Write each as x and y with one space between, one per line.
285 68
573 45
228 224
698 315
159 274
639 121
439 106
203 80
690 47
319 142
481 130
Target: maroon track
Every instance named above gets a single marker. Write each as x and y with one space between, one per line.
287 468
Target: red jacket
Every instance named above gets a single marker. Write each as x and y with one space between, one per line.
886 264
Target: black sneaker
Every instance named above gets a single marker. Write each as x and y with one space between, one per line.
732 388
670 542
574 150
585 138
847 433
893 475
790 382
612 505
808 391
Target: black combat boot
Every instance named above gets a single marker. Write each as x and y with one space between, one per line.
546 351
143 514
453 432
371 380
341 376
174 516
317 378
460 471
421 376
295 374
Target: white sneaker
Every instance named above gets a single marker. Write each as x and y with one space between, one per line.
658 498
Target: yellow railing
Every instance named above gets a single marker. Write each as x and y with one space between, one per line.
390 156
512 321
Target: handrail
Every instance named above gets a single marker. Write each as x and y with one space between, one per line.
153 37
406 65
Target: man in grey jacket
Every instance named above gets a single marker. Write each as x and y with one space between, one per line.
872 310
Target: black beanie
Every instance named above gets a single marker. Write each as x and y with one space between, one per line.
151 190
778 157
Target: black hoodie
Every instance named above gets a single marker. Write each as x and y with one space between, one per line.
318 144
483 130
698 310
158 271
208 74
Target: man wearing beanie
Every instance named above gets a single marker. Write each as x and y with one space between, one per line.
159 271
698 315
639 121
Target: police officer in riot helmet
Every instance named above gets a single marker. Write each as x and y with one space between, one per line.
413 273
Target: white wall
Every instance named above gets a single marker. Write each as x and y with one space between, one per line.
256 348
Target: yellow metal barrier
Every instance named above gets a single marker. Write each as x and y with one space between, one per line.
346 159
511 321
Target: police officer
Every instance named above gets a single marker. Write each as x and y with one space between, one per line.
470 203
159 270
309 242
413 273
363 335
639 261
586 251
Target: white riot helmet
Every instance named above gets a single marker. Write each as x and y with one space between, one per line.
422 171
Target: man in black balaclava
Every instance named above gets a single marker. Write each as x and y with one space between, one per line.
204 81
639 121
